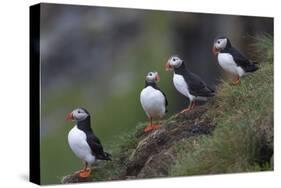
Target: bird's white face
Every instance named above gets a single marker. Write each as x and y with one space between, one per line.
173 62
152 77
78 114
219 45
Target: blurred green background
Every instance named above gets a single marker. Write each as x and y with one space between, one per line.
96 58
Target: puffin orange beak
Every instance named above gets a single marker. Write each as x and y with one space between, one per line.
69 116
157 78
215 50
168 67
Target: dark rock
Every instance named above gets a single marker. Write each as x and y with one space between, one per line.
155 151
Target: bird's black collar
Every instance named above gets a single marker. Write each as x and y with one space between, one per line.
85 125
228 46
152 84
181 69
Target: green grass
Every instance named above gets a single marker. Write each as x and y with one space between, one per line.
243 138
121 151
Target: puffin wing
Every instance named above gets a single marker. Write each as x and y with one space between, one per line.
166 101
96 147
242 61
239 58
197 86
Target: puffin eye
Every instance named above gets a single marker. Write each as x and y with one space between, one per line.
219 42
150 74
78 112
174 59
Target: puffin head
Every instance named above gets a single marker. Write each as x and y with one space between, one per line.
173 62
220 43
152 77
78 114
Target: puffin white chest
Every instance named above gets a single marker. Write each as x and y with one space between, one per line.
153 102
227 62
78 144
181 85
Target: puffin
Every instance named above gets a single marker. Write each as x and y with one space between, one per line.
187 83
153 100
83 141
231 60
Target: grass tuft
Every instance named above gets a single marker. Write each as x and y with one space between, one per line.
243 138
263 46
121 151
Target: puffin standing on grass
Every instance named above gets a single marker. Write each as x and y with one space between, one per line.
83 142
188 83
153 100
231 60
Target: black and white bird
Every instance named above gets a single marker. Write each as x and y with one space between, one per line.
188 83
231 60
153 100
83 142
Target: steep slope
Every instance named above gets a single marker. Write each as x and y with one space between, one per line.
233 132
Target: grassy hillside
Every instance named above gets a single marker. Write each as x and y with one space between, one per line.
243 138
232 133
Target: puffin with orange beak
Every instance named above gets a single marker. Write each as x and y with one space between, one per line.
231 60
154 101
83 142
188 83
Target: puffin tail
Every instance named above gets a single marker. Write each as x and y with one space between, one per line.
107 156
212 91
252 67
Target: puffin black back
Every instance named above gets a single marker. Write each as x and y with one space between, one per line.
34 94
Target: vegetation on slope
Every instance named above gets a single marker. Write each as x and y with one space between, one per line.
243 138
148 155
232 133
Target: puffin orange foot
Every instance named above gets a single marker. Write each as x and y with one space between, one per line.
150 127
155 126
147 128
236 82
189 108
85 173
185 110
